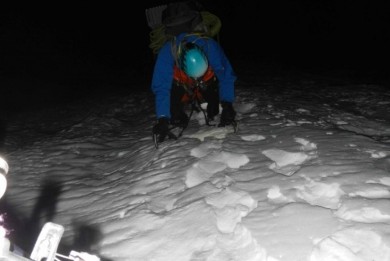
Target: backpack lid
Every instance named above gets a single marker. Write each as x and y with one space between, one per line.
181 17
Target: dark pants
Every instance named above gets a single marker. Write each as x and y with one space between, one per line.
209 93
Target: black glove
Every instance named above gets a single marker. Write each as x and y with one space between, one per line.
161 130
228 114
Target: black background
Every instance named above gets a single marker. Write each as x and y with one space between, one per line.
67 50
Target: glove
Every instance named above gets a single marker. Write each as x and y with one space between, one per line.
228 114
161 129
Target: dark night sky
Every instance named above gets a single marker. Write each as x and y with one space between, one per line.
76 48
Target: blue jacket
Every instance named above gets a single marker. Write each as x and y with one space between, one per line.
163 72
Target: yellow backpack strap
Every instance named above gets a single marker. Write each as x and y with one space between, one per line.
175 50
157 38
212 23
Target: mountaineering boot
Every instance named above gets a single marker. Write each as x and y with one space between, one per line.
211 96
212 110
161 129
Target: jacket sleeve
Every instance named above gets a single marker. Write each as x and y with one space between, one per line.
162 81
223 70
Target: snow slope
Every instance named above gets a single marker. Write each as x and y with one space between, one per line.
305 178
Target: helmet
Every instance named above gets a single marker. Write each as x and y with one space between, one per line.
193 60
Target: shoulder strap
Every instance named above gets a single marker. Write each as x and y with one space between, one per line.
175 50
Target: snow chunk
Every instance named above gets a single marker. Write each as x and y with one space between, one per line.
202 171
283 158
373 191
196 176
218 133
365 211
385 181
286 163
351 245
302 111
231 197
365 215
232 160
211 166
377 154
204 149
321 194
306 145
230 206
274 194
253 137
239 245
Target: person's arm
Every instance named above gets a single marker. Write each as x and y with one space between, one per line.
162 81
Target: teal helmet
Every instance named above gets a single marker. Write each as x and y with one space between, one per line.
193 60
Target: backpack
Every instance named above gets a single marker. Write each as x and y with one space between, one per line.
166 21
182 17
